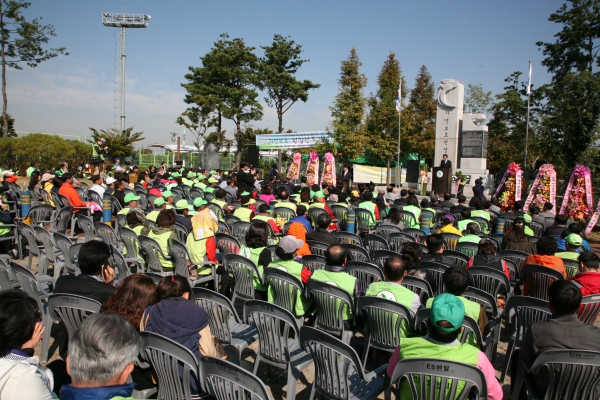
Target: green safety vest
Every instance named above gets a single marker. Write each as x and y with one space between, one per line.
152 215
4 231
197 249
469 239
124 211
343 280
462 224
138 231
243 213
568 255
307 205
265 218
95 152
200 185
287 204
220 203
416 211
316 204
209 189
367 205
254 254
294 268
163 241
481 213
472 310
397 293
422 348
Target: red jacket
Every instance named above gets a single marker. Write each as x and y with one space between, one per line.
70 193
588 282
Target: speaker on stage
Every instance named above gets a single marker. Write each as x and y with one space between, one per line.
253 155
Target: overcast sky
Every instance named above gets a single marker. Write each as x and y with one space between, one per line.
472 41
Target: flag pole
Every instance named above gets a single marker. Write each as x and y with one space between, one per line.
527 126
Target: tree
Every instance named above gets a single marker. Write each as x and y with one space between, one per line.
277 69
21 41
382 122
11 126
119 143
225 86
478 101
577 46
418 135
348 111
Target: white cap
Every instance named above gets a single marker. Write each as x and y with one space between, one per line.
110 180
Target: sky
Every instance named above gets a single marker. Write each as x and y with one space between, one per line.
476 42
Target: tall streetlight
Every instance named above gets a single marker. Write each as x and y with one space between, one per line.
123 21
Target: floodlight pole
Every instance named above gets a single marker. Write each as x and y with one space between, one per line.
123 79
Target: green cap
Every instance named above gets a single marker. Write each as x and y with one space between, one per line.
574 239
176 175
226 173
447 307
182 205
319 194
527 217
212 180
131 197
201 176
199 201
212 172
159 201
167 194
191 175
245 194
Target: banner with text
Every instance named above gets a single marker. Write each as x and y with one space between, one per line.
377 175
295 140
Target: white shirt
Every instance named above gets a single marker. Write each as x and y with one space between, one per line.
98 189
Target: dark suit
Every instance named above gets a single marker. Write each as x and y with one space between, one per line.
446 164
322 235
245 182
84 285
347 179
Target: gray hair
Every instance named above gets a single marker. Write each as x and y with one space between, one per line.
101 349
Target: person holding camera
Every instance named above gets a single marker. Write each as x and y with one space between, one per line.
99 152
246 178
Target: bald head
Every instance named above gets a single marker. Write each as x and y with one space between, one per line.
336 255
394 269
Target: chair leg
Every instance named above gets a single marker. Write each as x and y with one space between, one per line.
292 381
366 349
256 362
509 351
46 335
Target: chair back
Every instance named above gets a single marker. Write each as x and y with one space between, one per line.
225 381
174 364
572 267
330 301
313 262
48 242
229 198
57 201
333 361
239 229
397 239
274 325
348 238
223 227
486 300
407 218
116 206
74 257
515 256
364 219
209 196
528 310
244 271
451 240
284 213
489 280
181 231
186 192
380 256
29 233
356 253
461 259
386 230
419 234
64 244
106 233
81 193
143 201
62 219
219 309
340 213
384 318
131 242
40 213
470 326
151 198
87 225
317 248
227 244
117 261
419 286
95 197
230 219
218 211
72 310
196 192
313 213
285 287
365 272
180 256
418 373
467 248
5 281
589 310
64 200
537 228
152 250
373 243
539 279
435 272
29 283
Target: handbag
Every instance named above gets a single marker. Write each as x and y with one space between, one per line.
96 160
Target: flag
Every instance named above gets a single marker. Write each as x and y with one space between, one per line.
529 80
399 98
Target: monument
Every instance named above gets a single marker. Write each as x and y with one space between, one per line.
461 136
211 159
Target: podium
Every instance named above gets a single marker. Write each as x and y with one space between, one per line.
442 180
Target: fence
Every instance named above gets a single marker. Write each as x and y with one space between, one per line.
192 160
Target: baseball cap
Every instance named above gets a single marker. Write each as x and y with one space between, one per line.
447 307
182 205
290 244
212 172
131 197
319 194
212 180
47 177
110 180
201 176
354 193
199 201
102 140
191 175
448 218
574 239
159 201
246 193
167 193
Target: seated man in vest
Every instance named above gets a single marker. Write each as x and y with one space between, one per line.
456 281
131 201
336 275
245 213
159 205
320 233
102 353
563 331
573 242
284 197
588 278
395 271
368 204
220 201
263 215
471 232
301 217
465 213
182 209
443 327
487 257
436 246
413 207
212 185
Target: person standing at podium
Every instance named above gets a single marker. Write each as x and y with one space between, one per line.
445 162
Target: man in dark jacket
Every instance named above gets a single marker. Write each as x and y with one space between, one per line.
245 178
560 224
320 234
436 246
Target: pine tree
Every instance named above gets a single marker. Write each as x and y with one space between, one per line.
419 133
348 112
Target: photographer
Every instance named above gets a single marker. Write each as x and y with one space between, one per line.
99 152
246 178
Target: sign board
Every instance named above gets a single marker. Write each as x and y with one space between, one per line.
377 175
473 144
296 140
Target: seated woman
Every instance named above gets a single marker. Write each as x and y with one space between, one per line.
393 218
516 239
256 250
267 194
182 320
247 211
320 202
286 251
162 232
298 231
21 329
137 222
